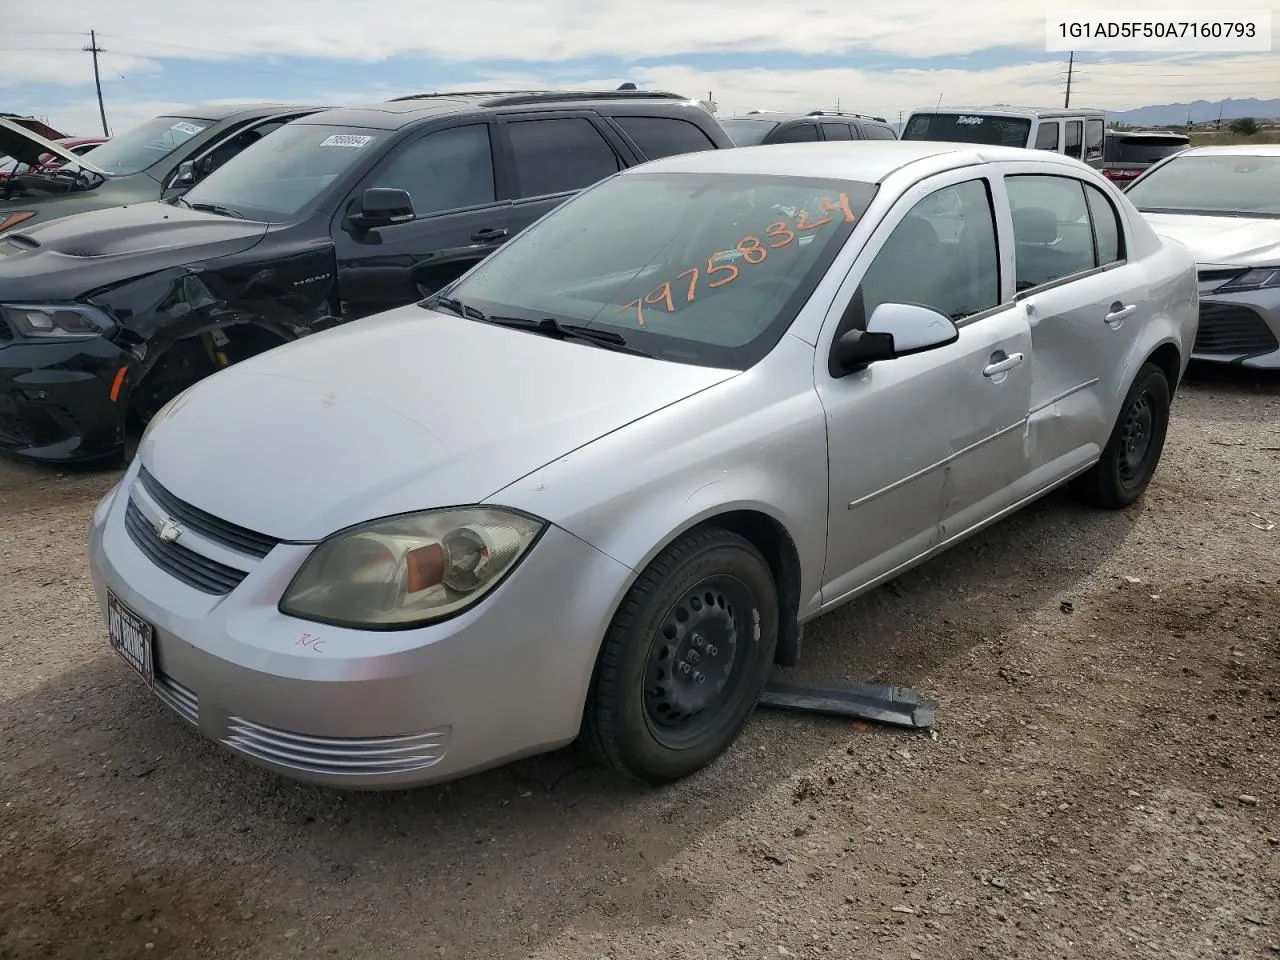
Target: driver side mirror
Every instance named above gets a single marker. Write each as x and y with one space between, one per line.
894 330
381 207
186 175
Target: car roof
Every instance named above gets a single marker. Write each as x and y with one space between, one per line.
1236 150
231 111
778 115
866 161
403 111
1007 111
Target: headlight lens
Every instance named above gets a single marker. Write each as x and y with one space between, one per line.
58 320
410 570
1261 279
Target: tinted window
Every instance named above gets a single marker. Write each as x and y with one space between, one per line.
875 131
1143 148
287 171
1224 183
1093 139
1047 135
1074 138
836 131
748 133
706 268
444 171
969 128
556 156
1106 225
942 255
797 133
233 144
1051 230
659 137
145 144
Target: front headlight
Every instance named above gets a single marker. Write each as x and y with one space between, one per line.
58 320
410 570
1261 279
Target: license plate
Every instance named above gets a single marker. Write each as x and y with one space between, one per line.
132 637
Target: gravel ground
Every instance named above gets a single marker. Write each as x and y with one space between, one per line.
1104 780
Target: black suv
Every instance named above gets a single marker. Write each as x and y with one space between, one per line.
759 127
106 315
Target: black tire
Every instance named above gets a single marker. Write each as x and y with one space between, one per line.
648 715
1129 460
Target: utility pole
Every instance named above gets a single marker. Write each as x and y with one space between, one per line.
94 49
1071 64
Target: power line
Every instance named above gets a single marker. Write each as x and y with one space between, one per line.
94 49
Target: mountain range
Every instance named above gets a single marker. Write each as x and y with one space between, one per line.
1201 111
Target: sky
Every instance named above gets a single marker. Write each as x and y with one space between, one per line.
873 58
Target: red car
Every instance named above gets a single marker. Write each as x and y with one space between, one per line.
48 161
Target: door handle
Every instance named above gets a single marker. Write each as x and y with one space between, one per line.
489 234
998 367
1119 312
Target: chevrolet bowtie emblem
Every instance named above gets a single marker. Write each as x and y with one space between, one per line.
168 530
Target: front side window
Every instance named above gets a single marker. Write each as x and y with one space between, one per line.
1211 184
1052 232
941 255
557 156
695 268
1047 136
287 171
146 144
446 170
659 137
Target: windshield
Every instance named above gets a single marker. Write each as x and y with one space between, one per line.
748 133
140 147
286 170
1223 184
1142 149
701 268
969 128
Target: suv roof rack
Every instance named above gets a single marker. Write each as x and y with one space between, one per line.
841 113
511 98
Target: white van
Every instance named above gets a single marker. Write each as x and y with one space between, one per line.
1075 133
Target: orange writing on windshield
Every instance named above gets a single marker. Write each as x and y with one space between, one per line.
752 249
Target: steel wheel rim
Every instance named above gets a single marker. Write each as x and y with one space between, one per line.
1136 437
696 660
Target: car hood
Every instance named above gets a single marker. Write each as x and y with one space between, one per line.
1222 241
27 146
69 257
401 411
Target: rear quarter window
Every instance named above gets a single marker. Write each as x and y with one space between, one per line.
876 131
659 137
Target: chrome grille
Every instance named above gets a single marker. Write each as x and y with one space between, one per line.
186 565
178 698
229 535
340 756
1226 328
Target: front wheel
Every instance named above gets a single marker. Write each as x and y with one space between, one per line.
1130 457
685 658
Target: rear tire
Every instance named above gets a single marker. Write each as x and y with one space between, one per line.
1129 460
685 658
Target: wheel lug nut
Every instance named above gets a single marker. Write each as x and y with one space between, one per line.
685 668
712 650
699 676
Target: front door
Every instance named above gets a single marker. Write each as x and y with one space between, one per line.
924 446
458 221
1081 295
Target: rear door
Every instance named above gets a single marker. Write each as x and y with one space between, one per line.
1083 297
458 220
545 158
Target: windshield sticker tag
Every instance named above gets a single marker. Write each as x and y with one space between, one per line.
969 121
750 249
189 128
345 140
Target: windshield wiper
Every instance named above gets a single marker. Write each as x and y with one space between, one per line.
455 306
548 326
215 208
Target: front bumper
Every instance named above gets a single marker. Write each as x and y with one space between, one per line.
1238 328
367 709
55 398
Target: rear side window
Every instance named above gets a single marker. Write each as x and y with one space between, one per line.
557 156
874 131
836 131
1052 232
1093 139
659 137
1047 136
798 133
1106 226
1075 138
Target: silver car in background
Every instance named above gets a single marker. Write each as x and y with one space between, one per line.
595 486
1224 204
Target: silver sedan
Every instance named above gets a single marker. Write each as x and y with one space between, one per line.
1224 204
593 488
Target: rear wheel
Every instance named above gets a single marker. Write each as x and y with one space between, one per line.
1129 460
685 658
